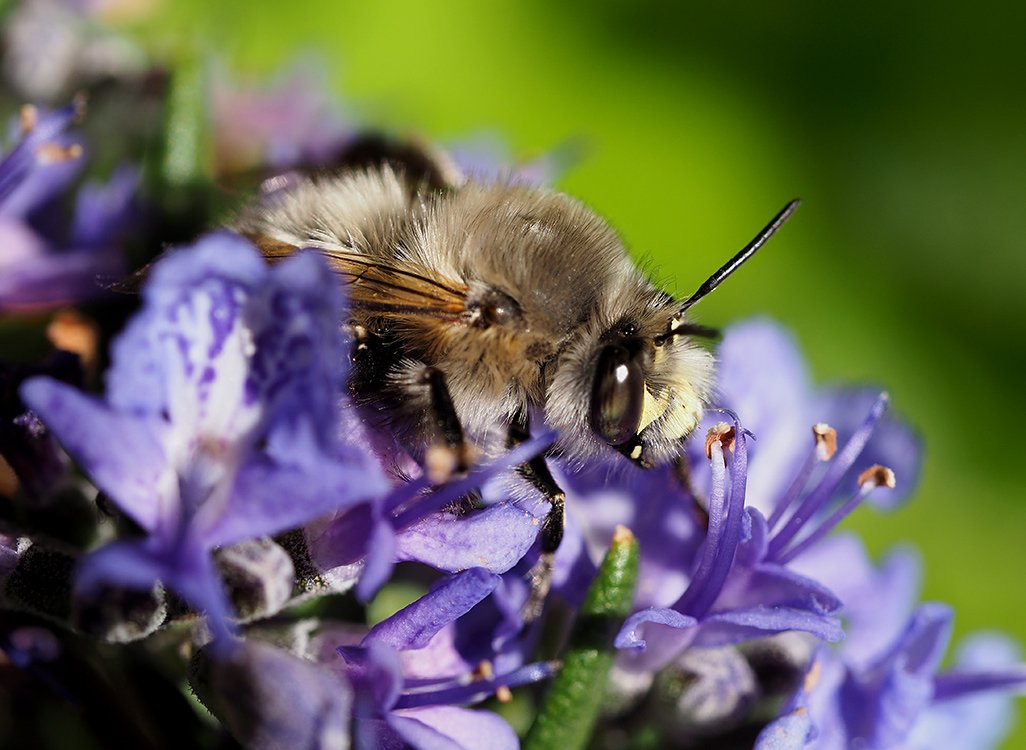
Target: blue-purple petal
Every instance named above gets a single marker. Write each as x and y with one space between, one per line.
634 632
268 498
876 601
172 358
380 559
468 729
105 212
920 650
139 564
376 672
883 704
123 453
417 734
973 705
738 626
28 178
300 359
130 564
32 274
271 700
416 624
763 378
777 586
495 538
793 731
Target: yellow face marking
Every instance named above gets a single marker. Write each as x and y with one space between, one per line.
686 411
651 409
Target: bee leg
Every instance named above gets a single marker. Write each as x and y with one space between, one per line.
448 451
699 506
536 471
416 399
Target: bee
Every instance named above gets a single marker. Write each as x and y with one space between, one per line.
477 306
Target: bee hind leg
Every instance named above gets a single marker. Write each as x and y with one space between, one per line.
536 471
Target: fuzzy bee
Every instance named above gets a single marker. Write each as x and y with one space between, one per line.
477 306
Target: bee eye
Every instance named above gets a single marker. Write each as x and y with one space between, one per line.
617 395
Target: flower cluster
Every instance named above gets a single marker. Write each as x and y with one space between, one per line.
220 429
45 261
222 505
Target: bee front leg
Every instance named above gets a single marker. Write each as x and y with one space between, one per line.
536 471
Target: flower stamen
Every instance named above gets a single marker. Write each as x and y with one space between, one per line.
721 433
823 491
826 441
877 476
458 691
725 518
824 448
869 480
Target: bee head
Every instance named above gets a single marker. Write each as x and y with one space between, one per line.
638 387
648 394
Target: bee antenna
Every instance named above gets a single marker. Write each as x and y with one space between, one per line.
746 252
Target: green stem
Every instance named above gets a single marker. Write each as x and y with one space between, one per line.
572 706
186 156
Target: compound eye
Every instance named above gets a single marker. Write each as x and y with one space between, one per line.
617 396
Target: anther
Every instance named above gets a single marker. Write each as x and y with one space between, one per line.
721 433
52 153
483 671
486 671
876 476
813 676
826 441
28 118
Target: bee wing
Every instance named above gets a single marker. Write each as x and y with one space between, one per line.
386 287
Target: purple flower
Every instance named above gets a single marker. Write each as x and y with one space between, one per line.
487 157
727 569
293 121
762 377
219 420
736 591
296 122
882 688
272 700
410 682
407 525
43 262
29 449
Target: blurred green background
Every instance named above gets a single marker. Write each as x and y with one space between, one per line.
902 128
